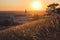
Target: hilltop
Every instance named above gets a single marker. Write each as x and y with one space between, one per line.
45 28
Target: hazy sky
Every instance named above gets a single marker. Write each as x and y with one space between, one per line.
23 4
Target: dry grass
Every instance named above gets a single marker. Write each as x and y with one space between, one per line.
47 28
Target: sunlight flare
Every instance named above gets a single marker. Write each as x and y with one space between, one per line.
36 5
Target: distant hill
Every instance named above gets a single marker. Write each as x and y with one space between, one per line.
12 13
58 10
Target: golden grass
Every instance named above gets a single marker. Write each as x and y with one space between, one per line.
46 28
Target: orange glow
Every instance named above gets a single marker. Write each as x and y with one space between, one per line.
36 5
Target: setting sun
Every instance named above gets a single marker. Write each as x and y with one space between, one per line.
36 5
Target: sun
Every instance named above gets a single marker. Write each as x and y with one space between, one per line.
36 5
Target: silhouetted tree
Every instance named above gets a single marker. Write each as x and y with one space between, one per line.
51 8
25 11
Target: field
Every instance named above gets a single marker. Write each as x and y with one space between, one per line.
45 28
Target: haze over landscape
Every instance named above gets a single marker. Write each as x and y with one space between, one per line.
29 19
18 5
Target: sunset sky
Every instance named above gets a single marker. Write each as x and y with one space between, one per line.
17 5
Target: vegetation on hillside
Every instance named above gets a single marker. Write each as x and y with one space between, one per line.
43 29
46 27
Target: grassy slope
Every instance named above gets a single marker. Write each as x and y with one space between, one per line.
42 29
